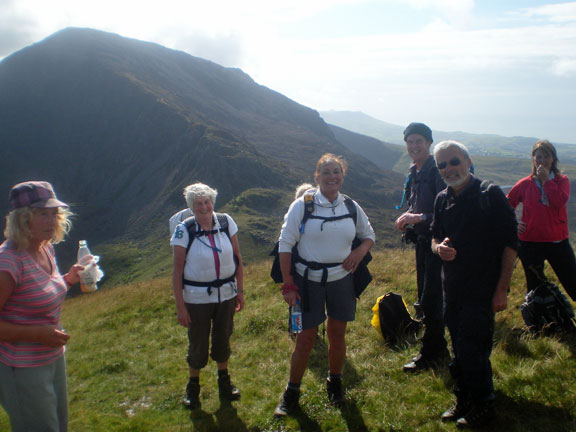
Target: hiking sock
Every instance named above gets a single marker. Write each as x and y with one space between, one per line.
334 389
192 397
334 377
293 386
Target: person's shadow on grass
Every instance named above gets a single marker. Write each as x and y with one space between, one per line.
318 364
520 414
226 419
202 420
305 422
352 416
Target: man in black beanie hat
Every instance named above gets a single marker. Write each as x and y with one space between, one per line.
422 185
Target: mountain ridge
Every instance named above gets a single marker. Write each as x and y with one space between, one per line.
120 126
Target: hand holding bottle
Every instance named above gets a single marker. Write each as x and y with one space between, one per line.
296 318
91 273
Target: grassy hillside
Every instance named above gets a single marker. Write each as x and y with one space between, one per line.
127 370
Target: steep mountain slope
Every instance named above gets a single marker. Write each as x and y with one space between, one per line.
120 126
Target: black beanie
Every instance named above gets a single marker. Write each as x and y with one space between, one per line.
420 129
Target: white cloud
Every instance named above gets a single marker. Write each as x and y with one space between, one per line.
565 67
456 12
15 28
558 13
434 51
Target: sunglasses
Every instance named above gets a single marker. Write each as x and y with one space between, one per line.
453 162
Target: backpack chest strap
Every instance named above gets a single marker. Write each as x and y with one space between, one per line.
329 218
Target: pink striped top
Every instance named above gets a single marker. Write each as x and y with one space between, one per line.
36 300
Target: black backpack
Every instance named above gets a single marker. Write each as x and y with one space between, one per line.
546 310
396 322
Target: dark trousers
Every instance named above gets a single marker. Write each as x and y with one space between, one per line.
471 328
559 255
431 298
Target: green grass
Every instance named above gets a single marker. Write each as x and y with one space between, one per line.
127 370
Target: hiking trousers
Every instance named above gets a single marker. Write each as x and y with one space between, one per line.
35 397
559 255
431 298
211 325
471 327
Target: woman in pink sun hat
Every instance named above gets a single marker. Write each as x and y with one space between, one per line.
32 290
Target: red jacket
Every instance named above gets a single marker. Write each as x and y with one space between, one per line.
543 223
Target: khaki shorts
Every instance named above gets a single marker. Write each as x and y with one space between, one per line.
210 319
335 299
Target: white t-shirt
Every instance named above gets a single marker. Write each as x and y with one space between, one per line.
323 242
200 265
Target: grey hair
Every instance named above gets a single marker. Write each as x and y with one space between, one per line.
197 190
445 145
301 189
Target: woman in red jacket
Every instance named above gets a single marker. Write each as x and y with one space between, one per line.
543 230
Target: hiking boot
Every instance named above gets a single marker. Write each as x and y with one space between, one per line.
418 312
479 415
459 409
335 391
418 363
192 397
226 389
288 404
421 362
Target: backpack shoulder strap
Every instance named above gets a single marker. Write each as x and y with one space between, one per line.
351 208
224 226
432 172
440 202
486 184
223 221
190 224
308 206
485 187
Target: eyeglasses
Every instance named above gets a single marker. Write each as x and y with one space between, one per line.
453 162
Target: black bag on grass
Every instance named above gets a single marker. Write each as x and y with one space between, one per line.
546 309
394 319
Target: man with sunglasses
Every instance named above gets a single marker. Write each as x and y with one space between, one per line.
474 233
423 184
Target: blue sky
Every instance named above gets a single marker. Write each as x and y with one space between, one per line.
487 66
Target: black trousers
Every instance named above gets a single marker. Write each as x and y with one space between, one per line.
431 298
559 255
471 329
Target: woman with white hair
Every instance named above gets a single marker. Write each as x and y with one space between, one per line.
208 287
32 291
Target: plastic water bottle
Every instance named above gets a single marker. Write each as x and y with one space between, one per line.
87 277
296 318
